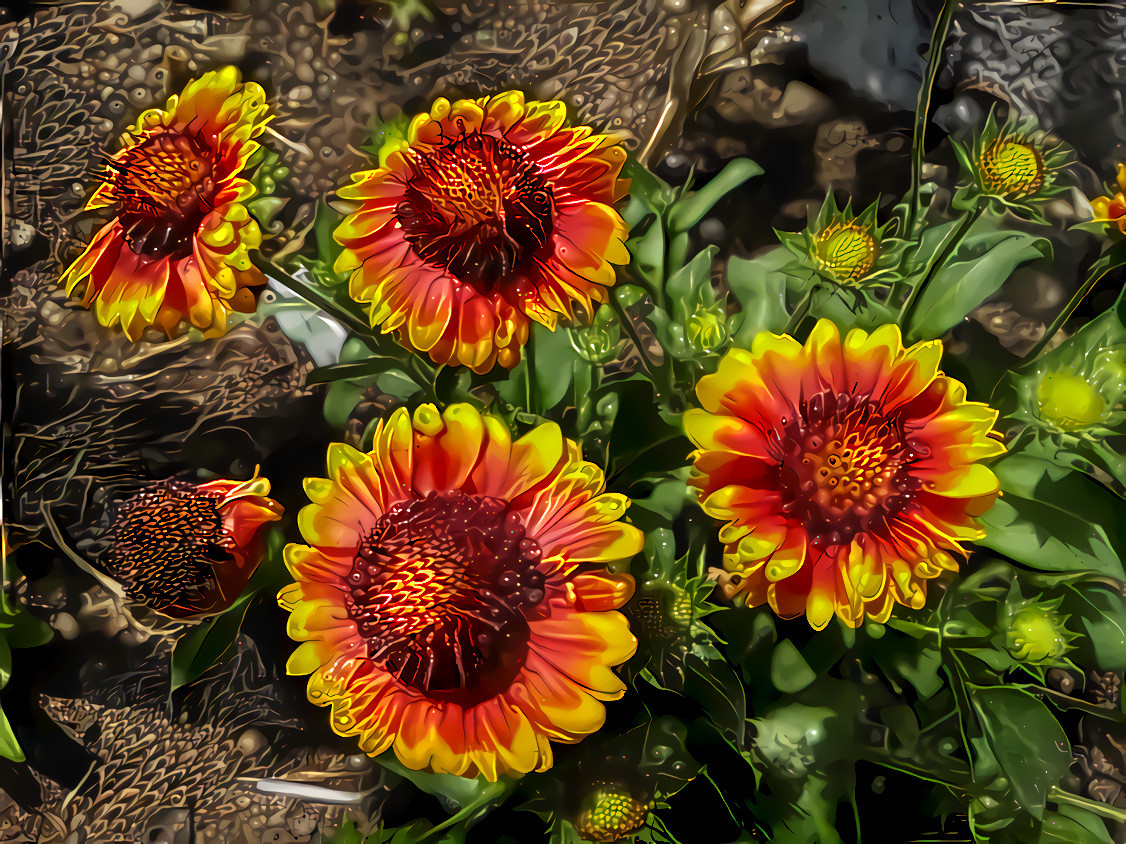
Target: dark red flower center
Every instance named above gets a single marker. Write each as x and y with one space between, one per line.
845 467
442 589
164 188
167 542
478 208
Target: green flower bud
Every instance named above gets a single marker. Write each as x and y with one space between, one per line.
1070 401
598 342
1038 634
706 329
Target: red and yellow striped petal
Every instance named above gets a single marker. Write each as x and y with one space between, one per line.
847 471
537 487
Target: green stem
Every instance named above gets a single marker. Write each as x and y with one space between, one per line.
923 105
1093 277
463 815
1095 807
353 318
1064 701
800 310
968 220
955 784
530 377
585 382
314 295
631 332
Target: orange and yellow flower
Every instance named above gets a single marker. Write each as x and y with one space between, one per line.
489 214
189 549
453 602
848 472
1112 209
177 247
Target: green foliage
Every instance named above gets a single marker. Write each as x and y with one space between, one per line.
18 629
976 269
778 720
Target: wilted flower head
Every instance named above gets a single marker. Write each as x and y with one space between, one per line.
1012 166
177 248
189 549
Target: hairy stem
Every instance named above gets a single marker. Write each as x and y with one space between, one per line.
922 108
908 308
1093 277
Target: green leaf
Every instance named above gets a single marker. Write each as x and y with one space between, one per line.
691 283
415 833
562 832
1052 519
9 747
979 266
555 361
715 688
1072 825
463 791
1103 615
204 645
849 308
649 194
648 254
27 631
931 242
999 660
346 834
903 728
1029 744
921 670
789 672
5 662
662 505
326 222
687 212
759 285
